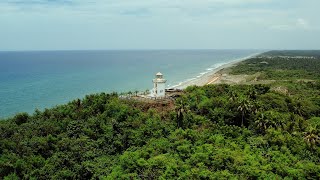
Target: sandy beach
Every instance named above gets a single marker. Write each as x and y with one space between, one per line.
215 76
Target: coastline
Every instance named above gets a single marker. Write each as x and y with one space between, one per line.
213 76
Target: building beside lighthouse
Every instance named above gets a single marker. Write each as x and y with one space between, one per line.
159 86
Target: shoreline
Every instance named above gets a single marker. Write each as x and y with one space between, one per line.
213 76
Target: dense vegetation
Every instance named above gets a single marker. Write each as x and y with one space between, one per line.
284 66
293 53
213 132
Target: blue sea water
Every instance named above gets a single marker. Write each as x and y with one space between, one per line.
42 79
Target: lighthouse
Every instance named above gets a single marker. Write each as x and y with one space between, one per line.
159 86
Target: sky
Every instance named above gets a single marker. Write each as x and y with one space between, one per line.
159 24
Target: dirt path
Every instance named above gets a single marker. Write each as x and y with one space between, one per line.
214 80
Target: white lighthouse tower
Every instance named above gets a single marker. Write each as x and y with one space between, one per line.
159 86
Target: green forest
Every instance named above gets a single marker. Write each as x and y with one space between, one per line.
244 131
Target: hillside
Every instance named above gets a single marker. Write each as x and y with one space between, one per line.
245 131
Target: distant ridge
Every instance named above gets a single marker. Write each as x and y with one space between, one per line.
315 53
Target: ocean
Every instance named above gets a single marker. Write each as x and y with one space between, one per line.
43 79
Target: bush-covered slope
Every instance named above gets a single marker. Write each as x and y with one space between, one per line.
214 132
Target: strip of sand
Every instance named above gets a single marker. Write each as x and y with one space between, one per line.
213 76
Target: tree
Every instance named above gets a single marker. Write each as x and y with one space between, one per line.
312 138
181 109
136 92
122 94
244 107
147 91
297 108
233 96
266 120
21 118
252 93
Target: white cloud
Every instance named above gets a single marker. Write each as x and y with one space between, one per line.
302 23
282 27
149 22
297 24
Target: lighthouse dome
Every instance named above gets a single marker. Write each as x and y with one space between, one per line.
159 75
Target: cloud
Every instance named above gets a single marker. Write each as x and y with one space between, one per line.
297 24
35 3
282 27
117 23
136 12
14 7
302 23
136 4
218 12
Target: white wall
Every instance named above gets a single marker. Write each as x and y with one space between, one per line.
161 89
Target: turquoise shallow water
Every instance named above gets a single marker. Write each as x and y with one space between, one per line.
43 79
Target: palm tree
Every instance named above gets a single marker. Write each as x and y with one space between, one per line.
181 108
233 96
252 93
265 121
312 137
77 103
244 107
136 92
121 94
297 108
262 123
130 93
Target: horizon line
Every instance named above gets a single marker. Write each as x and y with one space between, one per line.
146 49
